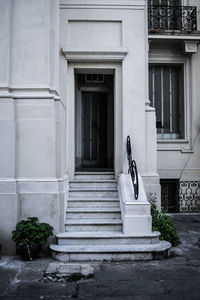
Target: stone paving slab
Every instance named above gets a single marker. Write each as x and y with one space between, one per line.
28 289
57 271
173 278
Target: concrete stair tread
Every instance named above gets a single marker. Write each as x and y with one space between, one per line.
93 199
93 209
92 221
92 189
93 180
104 234
94 173
159 247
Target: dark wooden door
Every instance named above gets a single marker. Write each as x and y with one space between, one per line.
94 130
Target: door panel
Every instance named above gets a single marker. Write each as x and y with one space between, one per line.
94 129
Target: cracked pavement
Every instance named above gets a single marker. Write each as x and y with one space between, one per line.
174 278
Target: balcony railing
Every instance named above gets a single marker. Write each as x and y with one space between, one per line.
163 18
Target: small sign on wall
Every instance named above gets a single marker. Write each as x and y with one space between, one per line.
190 47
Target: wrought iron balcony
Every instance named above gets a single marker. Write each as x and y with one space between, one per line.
163 18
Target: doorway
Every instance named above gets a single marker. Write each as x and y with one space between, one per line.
94 122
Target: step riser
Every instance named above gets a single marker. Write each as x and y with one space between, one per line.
107 241
97 185
73 257
94 177
89 204
85 194
93 215
91 227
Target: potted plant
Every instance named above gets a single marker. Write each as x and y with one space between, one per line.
29 236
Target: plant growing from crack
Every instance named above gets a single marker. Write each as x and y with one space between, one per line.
161 222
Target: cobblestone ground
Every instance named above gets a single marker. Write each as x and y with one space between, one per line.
173 278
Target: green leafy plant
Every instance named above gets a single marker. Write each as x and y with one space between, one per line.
161 222
30 233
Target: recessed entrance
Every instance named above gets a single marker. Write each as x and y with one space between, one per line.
94 122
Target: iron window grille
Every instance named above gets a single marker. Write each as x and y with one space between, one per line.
180 196
189 193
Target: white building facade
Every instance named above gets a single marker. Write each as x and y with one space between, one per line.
77 78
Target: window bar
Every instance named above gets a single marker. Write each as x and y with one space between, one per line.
152 20
160 11
90 128
170 99
153 86
168 19
162 101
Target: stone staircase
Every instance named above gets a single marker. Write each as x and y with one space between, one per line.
93 226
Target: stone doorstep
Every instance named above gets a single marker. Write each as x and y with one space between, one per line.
161 246
58 271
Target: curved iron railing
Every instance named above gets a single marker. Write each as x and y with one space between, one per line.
181 18
132 168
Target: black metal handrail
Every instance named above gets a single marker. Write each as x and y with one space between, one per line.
181 18
132 168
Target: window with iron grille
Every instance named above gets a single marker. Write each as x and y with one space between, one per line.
170 195
166 95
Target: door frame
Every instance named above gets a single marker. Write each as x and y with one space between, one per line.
104 68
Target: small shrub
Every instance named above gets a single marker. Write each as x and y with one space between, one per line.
30 233
162 223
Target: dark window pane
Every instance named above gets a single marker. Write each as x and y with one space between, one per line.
157 82
175 102
166 99
170 195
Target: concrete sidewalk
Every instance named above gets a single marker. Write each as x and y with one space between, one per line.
175 278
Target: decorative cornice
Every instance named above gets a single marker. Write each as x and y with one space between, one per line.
24 92
77 55
103 4
194 37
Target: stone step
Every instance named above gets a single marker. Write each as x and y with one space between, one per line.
105 238
96 184
93 225
85 192
66 253
93 202
101 212
94 175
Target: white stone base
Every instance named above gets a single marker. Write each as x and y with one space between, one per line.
21 199
8 220
135 214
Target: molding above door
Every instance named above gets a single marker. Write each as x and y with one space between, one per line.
103 55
